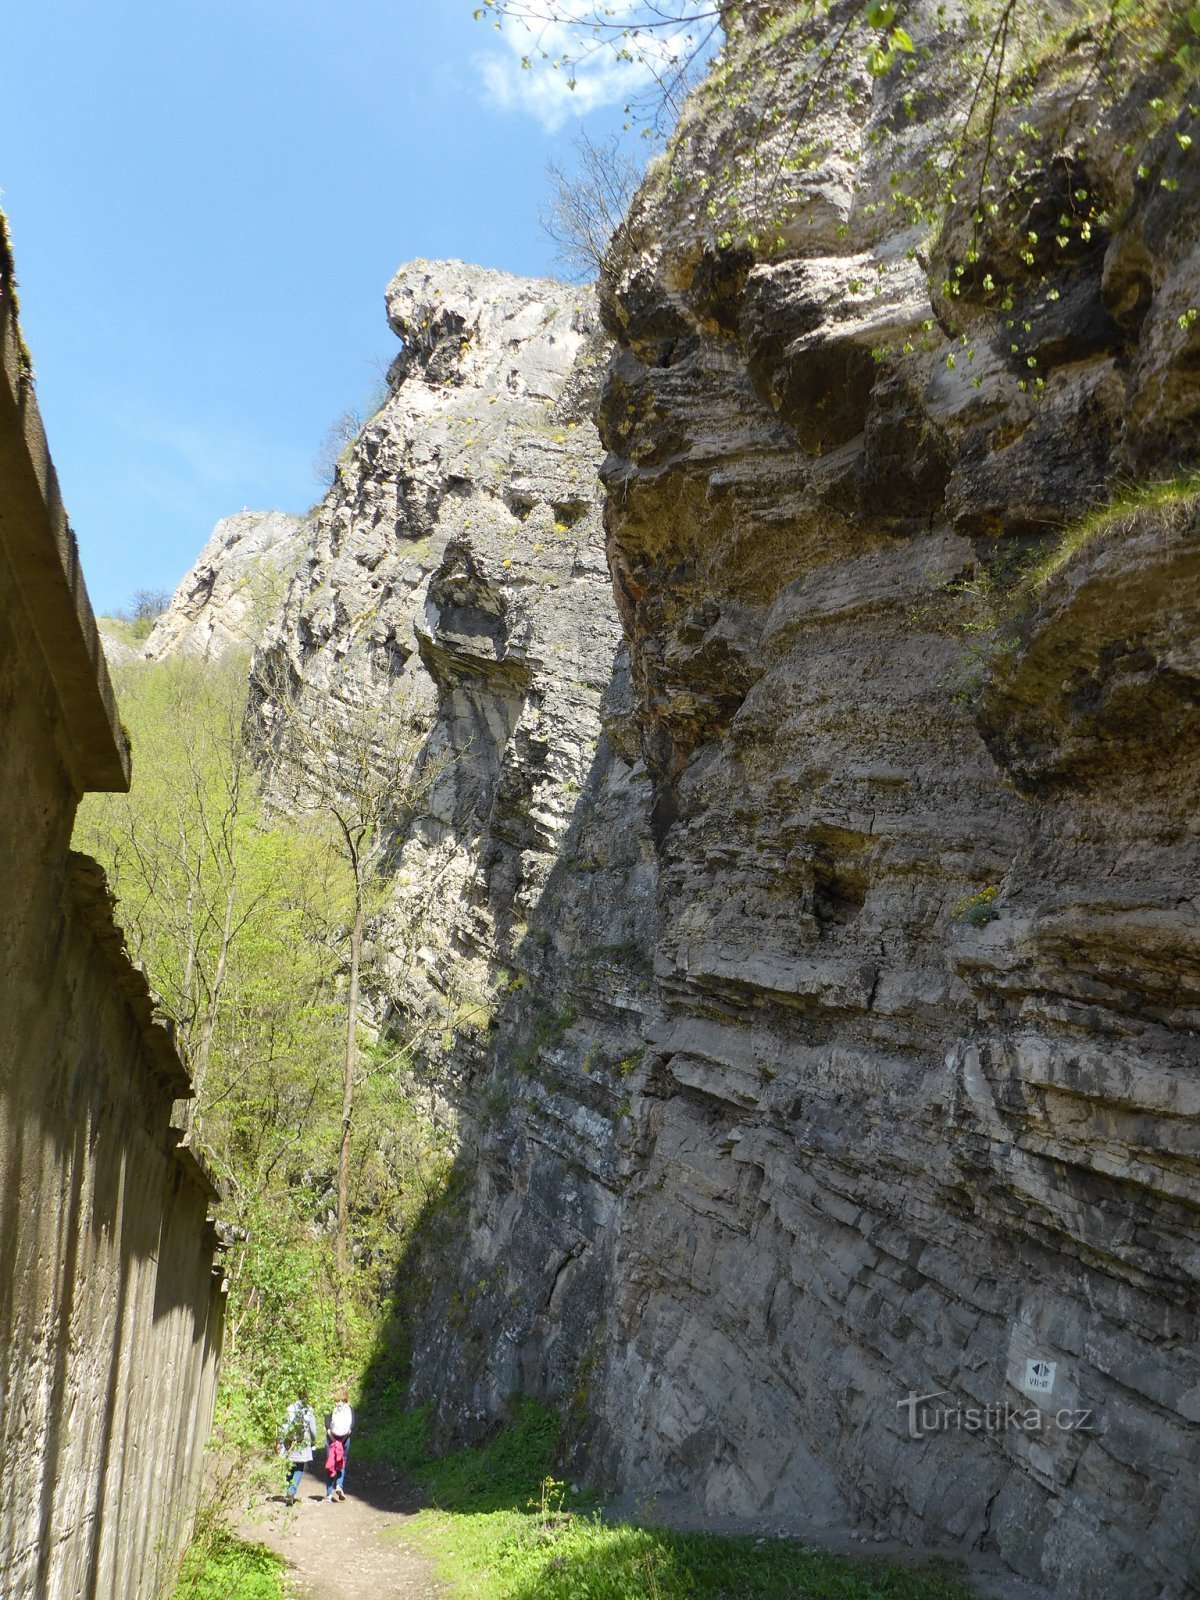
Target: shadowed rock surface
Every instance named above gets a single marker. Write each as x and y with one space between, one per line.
818 981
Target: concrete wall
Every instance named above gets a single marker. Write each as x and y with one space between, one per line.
111 1297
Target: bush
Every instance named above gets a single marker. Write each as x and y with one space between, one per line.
587 206
218 1566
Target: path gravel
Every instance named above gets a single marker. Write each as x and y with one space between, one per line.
356 1548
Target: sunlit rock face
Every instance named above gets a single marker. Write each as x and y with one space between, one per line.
804 913
847 1052
457 568
234 588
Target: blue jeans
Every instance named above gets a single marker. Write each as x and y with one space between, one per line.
339 1480
295 1477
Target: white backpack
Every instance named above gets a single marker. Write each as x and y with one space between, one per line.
342 1419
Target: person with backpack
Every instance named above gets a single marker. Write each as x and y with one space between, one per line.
338 1427
296 1439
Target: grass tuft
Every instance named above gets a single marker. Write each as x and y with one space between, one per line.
1133 503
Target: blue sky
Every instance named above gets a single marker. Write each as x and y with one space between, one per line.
207 200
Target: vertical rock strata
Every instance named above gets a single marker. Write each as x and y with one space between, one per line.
820 965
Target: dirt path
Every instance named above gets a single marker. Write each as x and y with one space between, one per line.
355 1548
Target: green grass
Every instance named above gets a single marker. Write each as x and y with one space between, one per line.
219 1567
130 633
998 604
501 1527
1125 508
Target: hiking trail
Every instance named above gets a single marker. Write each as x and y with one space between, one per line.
355 1548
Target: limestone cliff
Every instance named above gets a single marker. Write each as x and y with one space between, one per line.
458 567
235 586
811 918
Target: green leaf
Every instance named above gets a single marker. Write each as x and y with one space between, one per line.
901 41
880 13
879 60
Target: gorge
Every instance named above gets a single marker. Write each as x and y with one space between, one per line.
801 917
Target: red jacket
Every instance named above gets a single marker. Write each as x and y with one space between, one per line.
335 1460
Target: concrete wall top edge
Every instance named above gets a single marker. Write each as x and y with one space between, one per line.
89 891
45 557
196 1166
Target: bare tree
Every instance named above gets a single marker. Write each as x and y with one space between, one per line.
668 40
336 441
345 428
144 610
587 206
149 604
361 767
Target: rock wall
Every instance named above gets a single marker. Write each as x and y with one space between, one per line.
891 1150
235 587
458 567
817 967
110 1291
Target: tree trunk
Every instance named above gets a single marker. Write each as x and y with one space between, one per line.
208 1028
348 1105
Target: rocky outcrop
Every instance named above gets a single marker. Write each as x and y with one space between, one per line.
810 926
235 587
118 651
457 568
833 1157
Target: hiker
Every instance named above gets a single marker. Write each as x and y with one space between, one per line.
296 1439
335 1467
338 1427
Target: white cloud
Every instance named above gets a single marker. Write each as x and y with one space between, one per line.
571 72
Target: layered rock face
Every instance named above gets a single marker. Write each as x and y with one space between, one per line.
892 1150
842 1165
818 967
457 568
235 587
